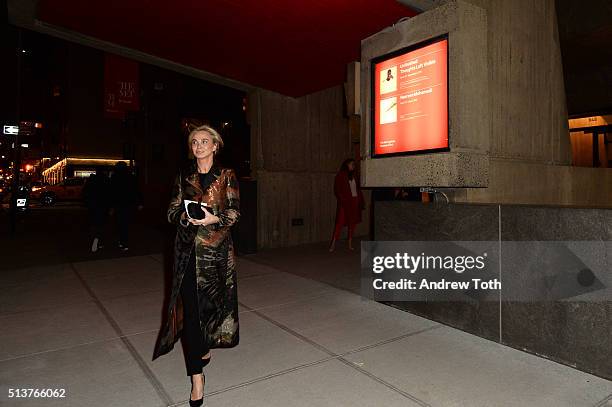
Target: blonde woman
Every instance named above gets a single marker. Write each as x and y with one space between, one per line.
203 307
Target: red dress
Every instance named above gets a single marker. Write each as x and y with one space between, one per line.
348 208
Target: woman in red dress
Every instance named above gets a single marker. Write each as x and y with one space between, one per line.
350 202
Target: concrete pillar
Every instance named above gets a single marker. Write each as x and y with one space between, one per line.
523 151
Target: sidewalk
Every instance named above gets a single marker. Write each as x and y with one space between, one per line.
307 339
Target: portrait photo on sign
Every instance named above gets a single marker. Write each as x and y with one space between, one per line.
388 110
388 80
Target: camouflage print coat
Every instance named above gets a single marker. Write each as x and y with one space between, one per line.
214 259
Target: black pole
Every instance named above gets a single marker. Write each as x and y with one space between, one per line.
16 145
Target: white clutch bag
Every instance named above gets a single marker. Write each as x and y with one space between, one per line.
195 209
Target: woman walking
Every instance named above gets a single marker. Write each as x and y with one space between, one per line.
203 308
350 202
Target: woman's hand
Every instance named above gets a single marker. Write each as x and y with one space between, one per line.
209 219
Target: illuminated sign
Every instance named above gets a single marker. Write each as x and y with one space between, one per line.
24 128
10 130
410 100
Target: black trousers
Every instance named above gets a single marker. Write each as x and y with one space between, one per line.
194 344
97 220
123 215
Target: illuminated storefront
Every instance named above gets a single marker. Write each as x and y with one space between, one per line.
75 167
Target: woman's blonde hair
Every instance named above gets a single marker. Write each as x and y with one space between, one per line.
214 134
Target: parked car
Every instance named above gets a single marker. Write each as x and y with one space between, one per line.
71 189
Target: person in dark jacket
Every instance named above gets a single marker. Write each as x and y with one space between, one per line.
96 195
125 197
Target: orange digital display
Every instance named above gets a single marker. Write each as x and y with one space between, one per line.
410 100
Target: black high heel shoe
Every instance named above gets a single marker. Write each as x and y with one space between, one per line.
199 402
196 403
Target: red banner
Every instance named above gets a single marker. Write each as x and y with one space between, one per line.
121 86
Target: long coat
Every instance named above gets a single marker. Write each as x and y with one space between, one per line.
345 202
214 259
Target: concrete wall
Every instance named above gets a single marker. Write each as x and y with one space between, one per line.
530 150
541 184
297 148
527 112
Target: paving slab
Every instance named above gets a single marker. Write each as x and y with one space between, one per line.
136 313
263 350
55 328
342 321
122 276
448 367
99 374
329 384
41 273
60 287
278 288
246 268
